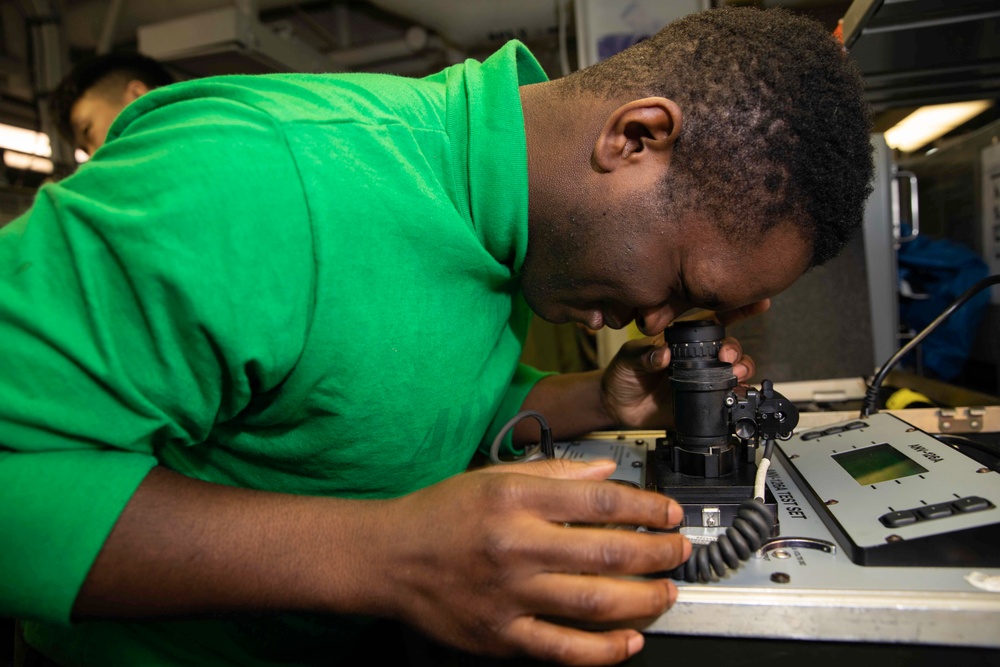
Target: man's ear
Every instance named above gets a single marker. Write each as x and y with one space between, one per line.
134 89
638 130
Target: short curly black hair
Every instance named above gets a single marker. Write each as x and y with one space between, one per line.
98 71
775 124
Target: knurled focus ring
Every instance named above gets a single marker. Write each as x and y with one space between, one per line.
695 350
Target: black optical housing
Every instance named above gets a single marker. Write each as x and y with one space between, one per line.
707 462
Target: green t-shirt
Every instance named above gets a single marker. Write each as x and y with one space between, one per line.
298 283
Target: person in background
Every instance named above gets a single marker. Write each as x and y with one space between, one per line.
88 100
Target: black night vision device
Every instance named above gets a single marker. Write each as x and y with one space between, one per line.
714 461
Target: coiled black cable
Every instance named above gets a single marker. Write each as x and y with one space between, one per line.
751 528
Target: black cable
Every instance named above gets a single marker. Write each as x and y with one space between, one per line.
751 528
768 448
871 396
957 442
546 447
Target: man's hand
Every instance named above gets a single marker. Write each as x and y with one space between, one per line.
486 562
504 561
635 390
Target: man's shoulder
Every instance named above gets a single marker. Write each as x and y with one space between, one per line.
302 98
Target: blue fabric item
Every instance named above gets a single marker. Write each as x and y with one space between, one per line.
610 44
940 271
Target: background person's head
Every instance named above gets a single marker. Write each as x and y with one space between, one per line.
88 100
731 135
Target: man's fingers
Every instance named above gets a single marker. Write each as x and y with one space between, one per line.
656 358
590 502
651 353
577 500
570 646
745 369
558 469
612 552
731 350
600 600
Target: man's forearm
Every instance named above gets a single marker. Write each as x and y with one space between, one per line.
571 404
185 547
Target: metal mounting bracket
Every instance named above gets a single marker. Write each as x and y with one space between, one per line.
952 421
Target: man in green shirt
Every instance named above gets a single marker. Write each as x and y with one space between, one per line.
252 346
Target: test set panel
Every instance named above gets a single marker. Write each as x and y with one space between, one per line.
893 495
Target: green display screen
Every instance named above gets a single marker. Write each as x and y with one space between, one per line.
881 463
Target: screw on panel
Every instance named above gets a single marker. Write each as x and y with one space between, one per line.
893 538
781 553
780 578
832 502
636 464
982 470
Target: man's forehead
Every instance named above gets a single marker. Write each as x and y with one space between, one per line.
731 270
89 105
83 105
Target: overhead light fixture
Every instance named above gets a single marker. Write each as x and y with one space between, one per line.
929 123
24 141
27 162
25 149
27 144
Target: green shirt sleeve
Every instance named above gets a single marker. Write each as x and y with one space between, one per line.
156 293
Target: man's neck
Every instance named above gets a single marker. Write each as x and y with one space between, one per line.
561 129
